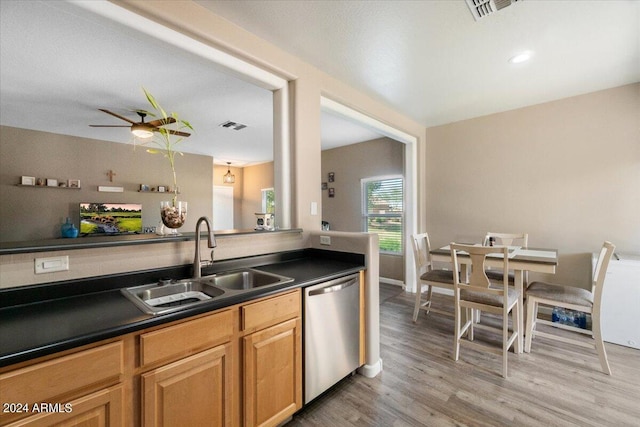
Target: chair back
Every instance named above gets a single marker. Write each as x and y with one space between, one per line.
600 270
507 239
421 256
478 280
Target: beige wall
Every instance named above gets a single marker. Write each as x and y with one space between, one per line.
38 213
567 172
350 164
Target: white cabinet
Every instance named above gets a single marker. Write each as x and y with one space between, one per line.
620 315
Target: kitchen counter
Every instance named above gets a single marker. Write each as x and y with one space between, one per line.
44 319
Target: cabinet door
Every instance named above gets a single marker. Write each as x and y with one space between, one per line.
100 409
194 391
273 374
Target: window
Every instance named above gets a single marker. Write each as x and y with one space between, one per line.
383 211
268 200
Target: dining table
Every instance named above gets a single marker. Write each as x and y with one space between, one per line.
521 260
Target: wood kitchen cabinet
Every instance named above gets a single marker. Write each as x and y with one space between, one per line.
272 359
193 385
80 388
193 391
101 409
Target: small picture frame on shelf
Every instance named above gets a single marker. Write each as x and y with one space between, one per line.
28 180
73 183
325 185
332 192
52 182
332 176
144 187
162 189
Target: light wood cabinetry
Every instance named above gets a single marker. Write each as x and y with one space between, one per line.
61 388
272 360
194 391
239 365
100 409
195 387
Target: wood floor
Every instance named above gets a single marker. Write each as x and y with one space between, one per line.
422 386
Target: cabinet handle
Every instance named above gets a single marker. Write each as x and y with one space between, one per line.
333 288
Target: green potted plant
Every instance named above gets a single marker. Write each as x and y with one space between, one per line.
166 141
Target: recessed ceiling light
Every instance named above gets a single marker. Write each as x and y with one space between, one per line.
521 57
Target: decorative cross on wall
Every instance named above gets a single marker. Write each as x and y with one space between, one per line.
111 174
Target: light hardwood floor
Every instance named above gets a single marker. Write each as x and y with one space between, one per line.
422 386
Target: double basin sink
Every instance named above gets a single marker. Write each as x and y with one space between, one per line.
168 296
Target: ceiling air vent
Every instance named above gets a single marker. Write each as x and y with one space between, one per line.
481 8
232 125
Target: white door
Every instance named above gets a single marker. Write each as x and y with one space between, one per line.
222 207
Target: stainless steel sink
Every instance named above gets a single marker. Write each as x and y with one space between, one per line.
246 279
165 298
161 298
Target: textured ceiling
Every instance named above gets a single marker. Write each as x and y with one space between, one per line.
428 59
432 61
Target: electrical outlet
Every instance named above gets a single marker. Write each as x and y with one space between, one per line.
325 240
49 265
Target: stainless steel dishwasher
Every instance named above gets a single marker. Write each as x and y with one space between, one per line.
331 333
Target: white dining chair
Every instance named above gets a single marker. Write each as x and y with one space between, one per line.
572 298
480 294
427 276
506 239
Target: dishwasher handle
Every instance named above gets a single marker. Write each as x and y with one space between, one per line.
333 288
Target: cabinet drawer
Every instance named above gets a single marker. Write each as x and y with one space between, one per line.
271 311
45 381
184 338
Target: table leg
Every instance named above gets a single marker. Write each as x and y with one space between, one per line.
519 284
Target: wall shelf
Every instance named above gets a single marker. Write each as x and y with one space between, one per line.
47 186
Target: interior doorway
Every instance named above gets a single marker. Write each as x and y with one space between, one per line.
408 169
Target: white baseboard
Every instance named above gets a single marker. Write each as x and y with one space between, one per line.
394 282
371 371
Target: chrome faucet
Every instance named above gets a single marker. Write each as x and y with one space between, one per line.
211 243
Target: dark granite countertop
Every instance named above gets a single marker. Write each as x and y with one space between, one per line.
86 242
43 319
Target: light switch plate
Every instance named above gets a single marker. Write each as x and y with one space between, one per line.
49 265
325 240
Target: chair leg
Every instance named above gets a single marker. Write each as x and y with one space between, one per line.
429 299
515 320
457 334
416 308
471 318
532 315
597 336
505 341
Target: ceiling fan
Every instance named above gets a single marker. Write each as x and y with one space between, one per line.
143 129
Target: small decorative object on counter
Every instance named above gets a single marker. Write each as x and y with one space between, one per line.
173 215
69 229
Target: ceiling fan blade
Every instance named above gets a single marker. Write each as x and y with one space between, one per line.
161 122
118 116
110 126
177 132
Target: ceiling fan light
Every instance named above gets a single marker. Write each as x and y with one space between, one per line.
141 131
228 178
